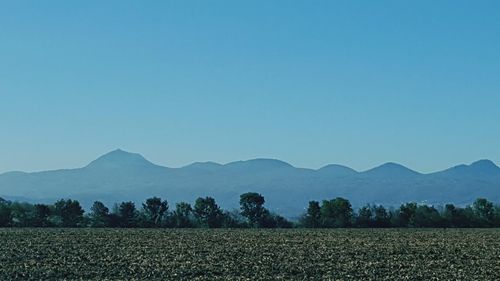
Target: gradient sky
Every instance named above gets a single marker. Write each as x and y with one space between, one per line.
309 82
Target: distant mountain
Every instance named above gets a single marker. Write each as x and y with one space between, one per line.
391 170
120 175
119 159
482 168
337 171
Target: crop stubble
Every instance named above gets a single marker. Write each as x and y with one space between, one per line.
342 254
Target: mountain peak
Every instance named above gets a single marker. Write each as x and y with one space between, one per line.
392 165
260 163
479 168
483 167
484 164
391 169
203 165
120 158
337 170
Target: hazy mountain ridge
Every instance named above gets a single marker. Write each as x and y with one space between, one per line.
121 175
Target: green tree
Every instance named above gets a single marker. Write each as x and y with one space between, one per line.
406 214
267 220
70 212
364 218
208 213
22 214
426 216
251 205
41 215
312 219
5 213
233 219
449 215
99 215
496 219
336 213
455 217
154 209
127 214
114 219
281 222
469 217
381 218
484 212
182 215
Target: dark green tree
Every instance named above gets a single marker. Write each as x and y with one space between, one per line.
70 212
449 215
22 214
484 212
251 205
381 218
406 215
127 214
496 218
5 213
267 220
99 215
312 218
154 210
469 216
182 215
208 213
41 215
455 217
336 213
281 222
114 219
364 218
233 219
426 216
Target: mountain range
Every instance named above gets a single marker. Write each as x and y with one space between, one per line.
122 176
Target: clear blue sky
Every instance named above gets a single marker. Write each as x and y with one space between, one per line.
309 82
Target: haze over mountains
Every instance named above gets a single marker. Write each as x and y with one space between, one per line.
123 176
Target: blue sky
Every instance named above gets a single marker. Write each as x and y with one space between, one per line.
309 82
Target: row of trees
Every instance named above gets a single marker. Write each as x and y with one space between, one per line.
339 213
153 213
205 213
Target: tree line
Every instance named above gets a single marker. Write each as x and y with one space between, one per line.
205 213
154 213
339 213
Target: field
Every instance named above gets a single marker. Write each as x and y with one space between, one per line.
109 254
